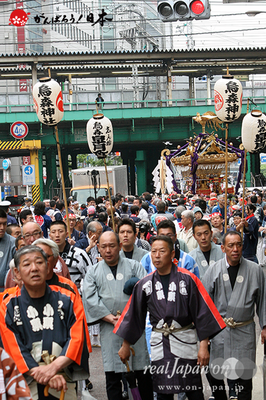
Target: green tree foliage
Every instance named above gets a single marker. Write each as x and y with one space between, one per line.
86 160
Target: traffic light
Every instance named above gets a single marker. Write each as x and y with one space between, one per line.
183 10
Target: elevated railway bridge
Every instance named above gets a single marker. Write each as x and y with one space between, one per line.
140 128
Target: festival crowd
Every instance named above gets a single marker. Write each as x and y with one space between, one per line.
159 284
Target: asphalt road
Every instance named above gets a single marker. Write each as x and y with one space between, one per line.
98 376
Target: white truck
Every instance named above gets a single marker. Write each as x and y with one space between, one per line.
92 181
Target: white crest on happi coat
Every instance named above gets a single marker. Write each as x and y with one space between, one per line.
183 288
147 287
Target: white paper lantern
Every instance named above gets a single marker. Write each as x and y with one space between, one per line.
228 98
48 100
100 135
254 131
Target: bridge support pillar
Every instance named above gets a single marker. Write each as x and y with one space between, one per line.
66 170
255 169
169 84
192 90
51 181
141 166
36 160
128 157
73 160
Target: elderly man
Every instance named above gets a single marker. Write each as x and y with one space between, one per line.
127 235
187 219
7 249
39 321
180 312
236 286
31 231
89 243
207 253
104 300
53 278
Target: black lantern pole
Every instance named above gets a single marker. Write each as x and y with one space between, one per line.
109 195
226 177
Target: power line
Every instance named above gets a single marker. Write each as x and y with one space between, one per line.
116 22
154 36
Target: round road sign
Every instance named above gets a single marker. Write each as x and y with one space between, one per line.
19 130
6 164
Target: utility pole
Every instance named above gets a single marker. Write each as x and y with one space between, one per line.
132 36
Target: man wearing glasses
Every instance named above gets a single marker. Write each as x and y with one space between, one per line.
31 231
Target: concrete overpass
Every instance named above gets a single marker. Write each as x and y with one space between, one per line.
139 133
140 128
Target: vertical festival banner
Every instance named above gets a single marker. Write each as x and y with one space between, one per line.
21 47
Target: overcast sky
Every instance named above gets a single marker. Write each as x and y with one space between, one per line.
225 19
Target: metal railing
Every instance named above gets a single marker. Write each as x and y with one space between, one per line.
118 105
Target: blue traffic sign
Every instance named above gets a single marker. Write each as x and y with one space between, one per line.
28 175
6 164
28 170
263 159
